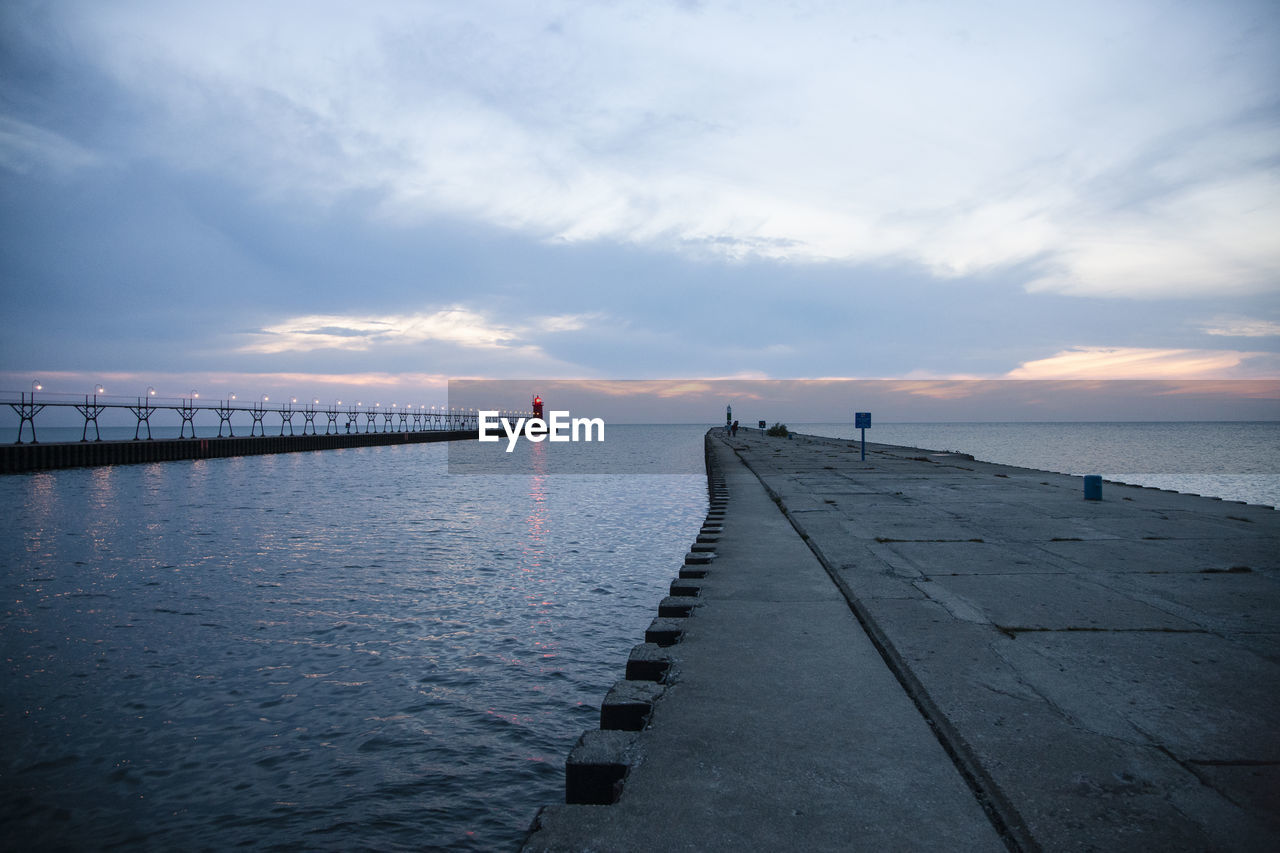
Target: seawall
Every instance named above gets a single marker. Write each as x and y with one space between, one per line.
923 651
18 458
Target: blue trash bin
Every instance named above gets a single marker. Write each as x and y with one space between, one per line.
1093 487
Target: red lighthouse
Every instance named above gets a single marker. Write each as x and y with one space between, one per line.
537 406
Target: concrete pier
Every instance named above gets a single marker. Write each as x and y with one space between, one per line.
18 458
921 651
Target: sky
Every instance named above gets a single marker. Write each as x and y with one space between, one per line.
331 199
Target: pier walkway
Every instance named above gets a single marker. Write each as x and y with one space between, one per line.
921 651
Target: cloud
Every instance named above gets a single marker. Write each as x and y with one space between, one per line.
330 331
1211 239
1144 363
939 389
1135 164
659 388
890 401
567 322
638 189
1242 327
246 385
25 148
478 338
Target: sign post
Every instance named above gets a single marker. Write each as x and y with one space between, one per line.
862 421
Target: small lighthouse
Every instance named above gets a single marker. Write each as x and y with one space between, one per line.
537 406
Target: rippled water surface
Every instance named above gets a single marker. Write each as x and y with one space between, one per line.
336 650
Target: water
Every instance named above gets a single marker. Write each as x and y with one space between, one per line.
338 650
1231 460
356 650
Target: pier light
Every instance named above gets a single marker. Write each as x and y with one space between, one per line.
231 396
194 393
151 392
266 399
98 389
36 386
316 401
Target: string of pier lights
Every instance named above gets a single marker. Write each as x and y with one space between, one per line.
445 411
189 405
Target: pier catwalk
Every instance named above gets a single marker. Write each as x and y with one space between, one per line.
921 651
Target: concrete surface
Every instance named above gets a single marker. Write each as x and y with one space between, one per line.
998 663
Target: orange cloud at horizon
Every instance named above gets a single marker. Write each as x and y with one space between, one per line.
1108 363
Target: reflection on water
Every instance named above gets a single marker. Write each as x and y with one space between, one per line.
329 650
537 520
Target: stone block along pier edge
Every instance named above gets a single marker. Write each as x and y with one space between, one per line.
927 652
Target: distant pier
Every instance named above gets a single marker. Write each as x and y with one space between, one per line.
349 425
20 458
924 651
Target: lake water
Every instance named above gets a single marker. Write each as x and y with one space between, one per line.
1232 460
357 649
337 650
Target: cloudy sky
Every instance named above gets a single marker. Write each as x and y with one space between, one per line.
315 197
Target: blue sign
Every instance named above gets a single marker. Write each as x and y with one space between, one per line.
862 420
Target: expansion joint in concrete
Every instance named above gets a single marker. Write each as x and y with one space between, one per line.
1012 631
